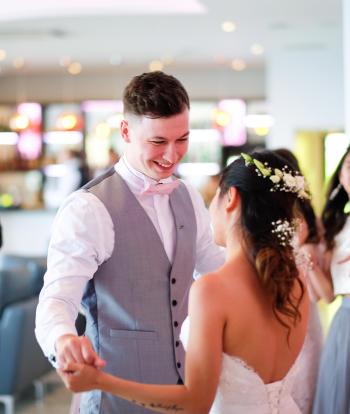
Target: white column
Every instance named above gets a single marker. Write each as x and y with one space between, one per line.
305 89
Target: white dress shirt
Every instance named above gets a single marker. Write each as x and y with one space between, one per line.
83 238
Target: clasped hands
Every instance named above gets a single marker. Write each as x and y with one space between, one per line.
79 366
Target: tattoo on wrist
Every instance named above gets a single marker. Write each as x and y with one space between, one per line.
172 407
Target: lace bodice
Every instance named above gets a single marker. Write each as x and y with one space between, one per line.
241 389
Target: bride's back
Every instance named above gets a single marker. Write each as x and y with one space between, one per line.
259 292
252 331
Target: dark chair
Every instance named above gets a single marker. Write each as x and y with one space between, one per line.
21 359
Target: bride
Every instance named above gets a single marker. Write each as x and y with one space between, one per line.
247 321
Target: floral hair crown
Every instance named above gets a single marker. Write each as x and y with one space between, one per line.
283 180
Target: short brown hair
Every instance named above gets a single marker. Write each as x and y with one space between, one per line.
155 95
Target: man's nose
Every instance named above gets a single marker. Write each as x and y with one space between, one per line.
170 154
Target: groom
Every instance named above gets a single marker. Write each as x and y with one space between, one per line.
126 246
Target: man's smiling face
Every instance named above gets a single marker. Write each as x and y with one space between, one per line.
156 145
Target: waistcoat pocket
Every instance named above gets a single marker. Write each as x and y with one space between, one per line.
125 334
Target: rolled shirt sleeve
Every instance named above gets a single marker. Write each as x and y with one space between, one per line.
82 239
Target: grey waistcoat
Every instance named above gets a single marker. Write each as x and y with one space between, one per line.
137 300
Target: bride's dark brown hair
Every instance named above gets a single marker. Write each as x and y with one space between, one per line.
275 263
333 214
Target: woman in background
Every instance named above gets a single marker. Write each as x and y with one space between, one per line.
247 320
319 286
333 385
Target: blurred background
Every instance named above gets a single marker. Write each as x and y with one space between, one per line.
267 73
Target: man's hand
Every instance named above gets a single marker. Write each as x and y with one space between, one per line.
77 349
79 377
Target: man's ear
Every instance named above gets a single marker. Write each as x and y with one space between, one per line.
124 130
232 199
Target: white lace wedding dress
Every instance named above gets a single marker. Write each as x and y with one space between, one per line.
241 390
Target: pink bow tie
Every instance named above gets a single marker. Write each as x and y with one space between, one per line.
160 188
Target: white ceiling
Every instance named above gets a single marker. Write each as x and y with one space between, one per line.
181 32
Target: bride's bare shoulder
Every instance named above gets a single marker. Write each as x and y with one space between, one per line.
215 286
206 287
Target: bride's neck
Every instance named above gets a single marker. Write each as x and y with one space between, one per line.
234 249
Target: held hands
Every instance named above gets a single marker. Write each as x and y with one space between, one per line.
77 349
79 377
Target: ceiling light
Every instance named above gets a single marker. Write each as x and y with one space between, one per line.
238 64
155 65
3 54
228 26
74 68
257 49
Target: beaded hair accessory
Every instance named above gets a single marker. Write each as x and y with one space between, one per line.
282 180
284 231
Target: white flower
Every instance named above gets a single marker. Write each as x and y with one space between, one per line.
303 194
289 180
278 172
275 179
299 182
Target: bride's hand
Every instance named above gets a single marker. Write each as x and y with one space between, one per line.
79 377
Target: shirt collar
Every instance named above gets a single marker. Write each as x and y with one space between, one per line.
135 179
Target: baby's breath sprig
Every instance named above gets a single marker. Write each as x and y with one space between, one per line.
284 231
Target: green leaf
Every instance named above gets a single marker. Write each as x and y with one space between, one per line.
247 158
266 172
